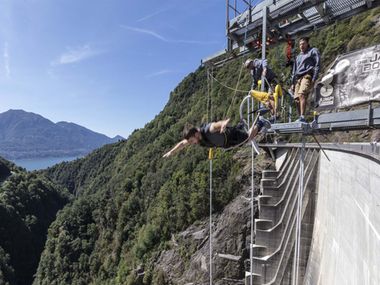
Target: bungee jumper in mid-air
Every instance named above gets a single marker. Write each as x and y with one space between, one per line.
219 134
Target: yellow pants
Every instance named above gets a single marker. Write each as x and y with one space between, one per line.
264 97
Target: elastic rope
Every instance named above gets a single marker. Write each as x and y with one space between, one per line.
211 154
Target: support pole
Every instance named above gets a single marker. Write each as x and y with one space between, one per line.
297 244
210 157
252 195
264 42
253 231
229 42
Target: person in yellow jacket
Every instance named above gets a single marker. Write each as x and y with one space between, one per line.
269 99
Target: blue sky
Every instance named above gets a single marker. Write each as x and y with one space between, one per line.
108 65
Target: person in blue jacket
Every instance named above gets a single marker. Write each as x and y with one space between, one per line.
305 72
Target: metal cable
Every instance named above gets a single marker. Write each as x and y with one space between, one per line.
253 230
299 213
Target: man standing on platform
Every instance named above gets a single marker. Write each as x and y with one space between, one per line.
305 72
259 68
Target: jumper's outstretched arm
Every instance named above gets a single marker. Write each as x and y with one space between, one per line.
181 145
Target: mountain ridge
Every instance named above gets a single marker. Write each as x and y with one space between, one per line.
29 135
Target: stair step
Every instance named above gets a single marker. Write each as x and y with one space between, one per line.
259 250
263 198
268 182
271 237
272 191
247 274
272 212
263 224
233 281
270 173
256 278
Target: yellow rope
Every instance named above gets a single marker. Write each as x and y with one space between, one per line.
228 87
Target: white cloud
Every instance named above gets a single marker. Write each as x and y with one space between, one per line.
77 54
6 61
153 14
143 31
164 39
161 72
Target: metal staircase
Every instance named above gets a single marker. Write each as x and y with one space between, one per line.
276 226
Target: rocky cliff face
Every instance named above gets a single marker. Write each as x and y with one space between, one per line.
187 259
187 262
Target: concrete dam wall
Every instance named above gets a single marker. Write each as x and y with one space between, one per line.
345 246
338 241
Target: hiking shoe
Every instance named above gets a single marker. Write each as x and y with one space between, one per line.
265 123
300 120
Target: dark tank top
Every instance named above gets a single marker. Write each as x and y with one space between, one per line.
231 137
212 139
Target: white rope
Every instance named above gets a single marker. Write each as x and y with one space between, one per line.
210 221
253 231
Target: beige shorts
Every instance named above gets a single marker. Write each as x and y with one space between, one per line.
303 86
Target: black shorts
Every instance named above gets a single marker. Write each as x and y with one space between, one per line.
235 136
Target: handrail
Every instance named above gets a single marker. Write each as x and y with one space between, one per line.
367 150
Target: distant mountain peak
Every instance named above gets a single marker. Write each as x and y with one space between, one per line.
118 138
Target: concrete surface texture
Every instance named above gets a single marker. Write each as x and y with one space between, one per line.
346 241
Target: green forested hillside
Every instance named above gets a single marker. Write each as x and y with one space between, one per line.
129 200
28 204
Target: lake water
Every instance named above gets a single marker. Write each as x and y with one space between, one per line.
41 163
